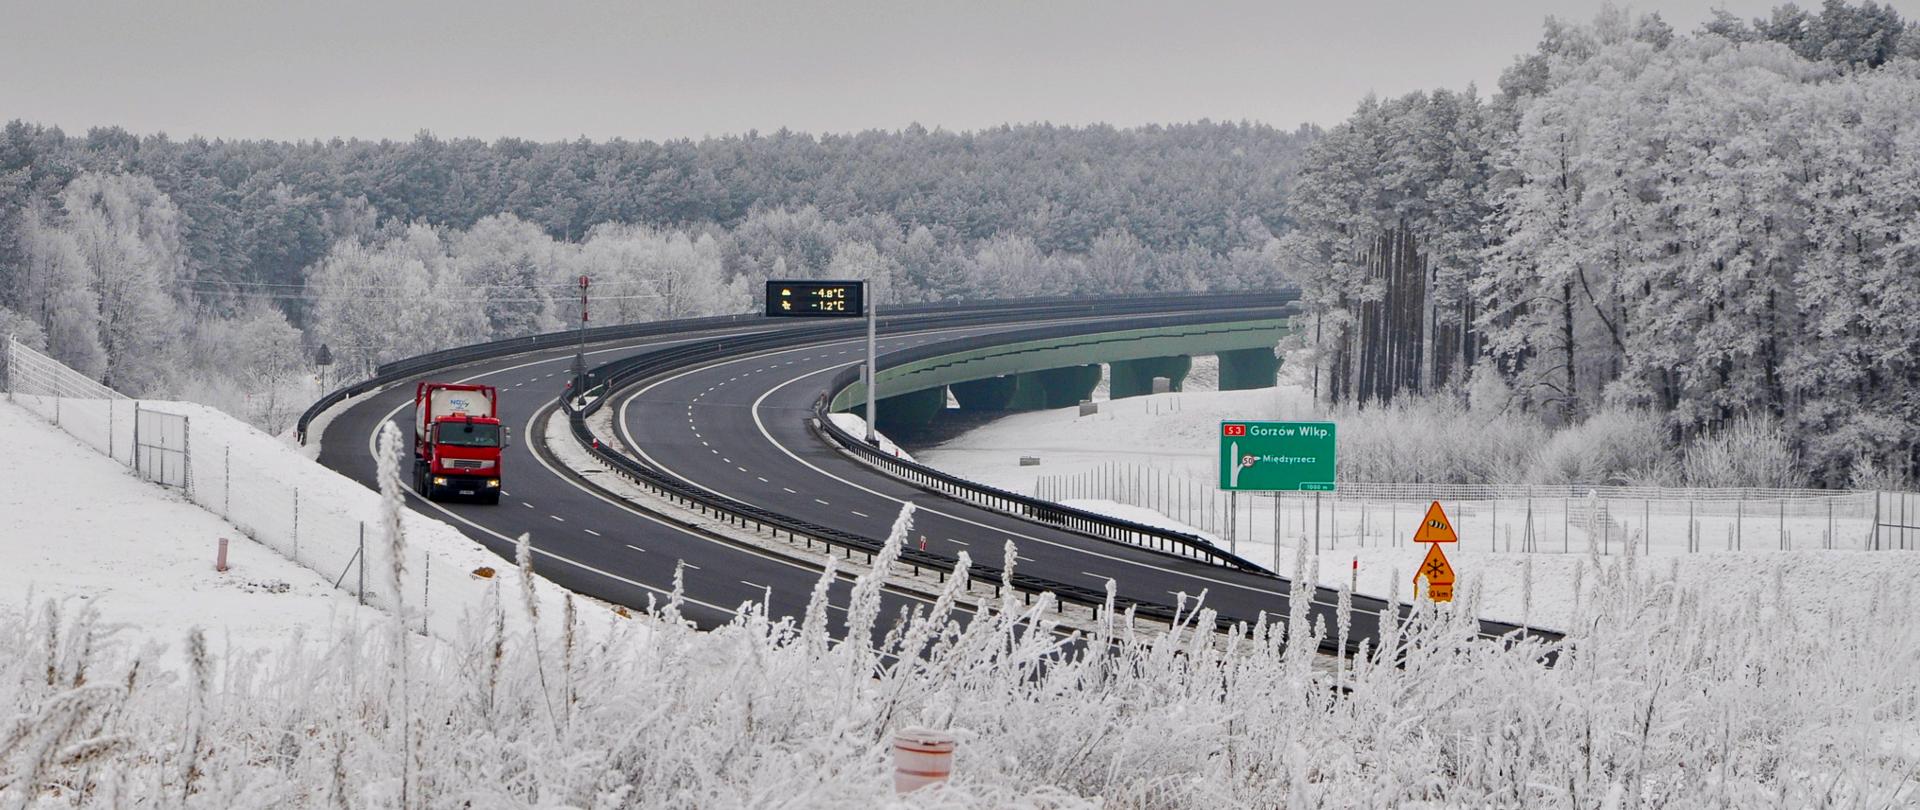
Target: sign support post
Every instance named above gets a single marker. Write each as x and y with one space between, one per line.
829 299
873 379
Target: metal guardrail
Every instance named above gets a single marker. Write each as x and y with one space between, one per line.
403 369
735 512
1153 538
615 375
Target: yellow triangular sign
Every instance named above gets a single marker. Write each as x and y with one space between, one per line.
1438 573
1435 527
1434 569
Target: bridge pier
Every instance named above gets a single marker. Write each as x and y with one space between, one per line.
908 410
1243 369
990 394
1054 387
1132 378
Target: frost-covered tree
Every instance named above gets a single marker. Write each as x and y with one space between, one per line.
860 260
127 234
509 263
54 288
392 299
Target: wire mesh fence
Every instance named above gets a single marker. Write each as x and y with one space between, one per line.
1564 519
89 411
230 470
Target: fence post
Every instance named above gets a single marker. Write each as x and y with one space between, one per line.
362 557
1740 524
134 462
1873 535
296 524
426 590
1316 526
226 481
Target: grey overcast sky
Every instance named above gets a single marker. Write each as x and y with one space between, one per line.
553 69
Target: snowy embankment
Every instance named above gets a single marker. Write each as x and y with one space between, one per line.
1178 432
78 531
277 506
853 424
1664 696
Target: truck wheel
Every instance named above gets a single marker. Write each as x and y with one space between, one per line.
491 498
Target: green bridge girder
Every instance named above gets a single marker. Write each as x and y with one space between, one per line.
987 376
1132 378
1243 369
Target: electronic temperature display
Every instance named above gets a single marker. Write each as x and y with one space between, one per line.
816 299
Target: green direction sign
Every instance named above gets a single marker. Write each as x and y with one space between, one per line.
1276 456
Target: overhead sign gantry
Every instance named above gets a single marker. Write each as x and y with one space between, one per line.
830 299
816 299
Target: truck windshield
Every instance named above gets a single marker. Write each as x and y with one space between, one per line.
468 434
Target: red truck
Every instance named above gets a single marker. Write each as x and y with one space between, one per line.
457 439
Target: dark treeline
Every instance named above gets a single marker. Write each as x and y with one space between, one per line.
265 211
1692 233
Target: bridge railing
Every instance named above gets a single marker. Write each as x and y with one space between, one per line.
748 516
399 370
1154 538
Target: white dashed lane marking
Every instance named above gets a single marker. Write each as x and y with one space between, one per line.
530 506
563 520
637 548
821 502
592 532
763 480
792 490
860 513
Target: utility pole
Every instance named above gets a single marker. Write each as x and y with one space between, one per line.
580 353
873 378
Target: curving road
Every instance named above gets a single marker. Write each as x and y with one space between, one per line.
583 541
739 426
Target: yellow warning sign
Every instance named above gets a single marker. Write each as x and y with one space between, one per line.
1435 527
1438 573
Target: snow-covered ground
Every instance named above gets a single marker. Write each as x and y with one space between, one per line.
1780 705
77 529
852 423
1177 433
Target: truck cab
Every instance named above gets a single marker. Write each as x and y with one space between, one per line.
458 441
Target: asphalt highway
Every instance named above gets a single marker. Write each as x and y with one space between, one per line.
739 426
583 541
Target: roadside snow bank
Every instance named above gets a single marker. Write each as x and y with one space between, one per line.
855 425
1176 431
273 494
76 529
1814 583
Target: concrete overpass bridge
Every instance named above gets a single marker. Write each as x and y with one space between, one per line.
1061 371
